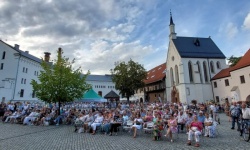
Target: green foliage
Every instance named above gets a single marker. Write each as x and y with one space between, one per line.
60 82
128 77
233 60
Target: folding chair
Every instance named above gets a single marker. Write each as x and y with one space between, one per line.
149 128
128 126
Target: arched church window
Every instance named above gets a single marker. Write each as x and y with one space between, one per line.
205 71
218 64
3 57
212 66
172 76
199 69
190 69
176 74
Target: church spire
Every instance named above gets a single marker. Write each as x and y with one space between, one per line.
172 34
171 19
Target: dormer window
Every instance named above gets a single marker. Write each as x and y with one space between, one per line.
197 42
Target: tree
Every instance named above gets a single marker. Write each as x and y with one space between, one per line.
128 77
59 82
233 60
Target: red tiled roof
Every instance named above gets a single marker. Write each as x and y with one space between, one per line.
244 62
222 74
156 74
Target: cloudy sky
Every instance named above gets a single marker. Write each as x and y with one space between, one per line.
98 33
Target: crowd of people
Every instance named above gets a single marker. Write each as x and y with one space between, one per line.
196 119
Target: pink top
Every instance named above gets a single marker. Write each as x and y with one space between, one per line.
197 124
149 118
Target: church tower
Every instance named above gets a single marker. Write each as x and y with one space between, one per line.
172 34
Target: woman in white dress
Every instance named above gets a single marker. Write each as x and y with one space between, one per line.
137 124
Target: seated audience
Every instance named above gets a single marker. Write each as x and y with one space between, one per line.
194 130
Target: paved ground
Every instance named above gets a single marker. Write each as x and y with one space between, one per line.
19 137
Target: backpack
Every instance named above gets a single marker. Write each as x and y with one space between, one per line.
235 112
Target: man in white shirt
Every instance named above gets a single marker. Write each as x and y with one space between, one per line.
213 111
181 120
245 115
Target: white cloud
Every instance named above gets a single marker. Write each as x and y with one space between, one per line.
102 56
231 30
228 30
246 24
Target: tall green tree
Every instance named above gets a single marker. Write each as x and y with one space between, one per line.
59 82
233 60
128 77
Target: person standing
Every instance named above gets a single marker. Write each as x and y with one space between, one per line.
245 116
235 113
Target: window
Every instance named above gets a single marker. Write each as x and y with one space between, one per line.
22 81
205 71
3 57
100 93
242 79
23 69
190 69
212 66
21 92
33 94
188 91
26 70
176 74
218 64
1 68
217 98
215 84
35 73
199 69
226 82
172 76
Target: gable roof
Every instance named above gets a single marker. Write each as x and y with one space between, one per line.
222 74
244 62
100 78
24 53
111 94
156 74
196 47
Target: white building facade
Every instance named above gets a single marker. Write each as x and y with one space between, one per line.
191 63
101 84
17 69
232 84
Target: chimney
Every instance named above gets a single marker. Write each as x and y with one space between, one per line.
16 47
27 52
47 56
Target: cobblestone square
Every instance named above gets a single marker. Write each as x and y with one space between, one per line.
20 137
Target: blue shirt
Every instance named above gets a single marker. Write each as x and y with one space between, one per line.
201 118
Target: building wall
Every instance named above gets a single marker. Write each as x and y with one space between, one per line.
104 87
8 73
198 89
12 75
22 75
240 93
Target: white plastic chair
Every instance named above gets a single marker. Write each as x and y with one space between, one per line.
149 128
128 125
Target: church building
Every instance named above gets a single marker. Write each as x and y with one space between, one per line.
191 63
